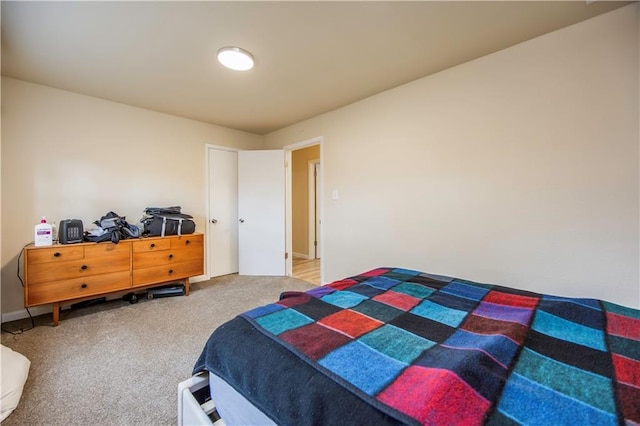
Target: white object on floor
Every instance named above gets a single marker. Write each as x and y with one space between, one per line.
192 407
15 370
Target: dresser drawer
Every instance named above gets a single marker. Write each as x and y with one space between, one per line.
158 274
166 257
75 288
187 241
150 245
54 254
45 272
106 250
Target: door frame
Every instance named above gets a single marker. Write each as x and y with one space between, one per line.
318 140
313 188
207 200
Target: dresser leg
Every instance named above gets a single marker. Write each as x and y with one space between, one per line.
56 314
186 286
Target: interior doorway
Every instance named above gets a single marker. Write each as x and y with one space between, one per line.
304 210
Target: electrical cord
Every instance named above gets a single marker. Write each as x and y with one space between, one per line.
33 323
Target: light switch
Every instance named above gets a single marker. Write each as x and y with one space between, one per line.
334 194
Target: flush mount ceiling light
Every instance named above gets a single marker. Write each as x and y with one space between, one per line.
235 58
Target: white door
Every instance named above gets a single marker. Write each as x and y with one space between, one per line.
222 238
261 212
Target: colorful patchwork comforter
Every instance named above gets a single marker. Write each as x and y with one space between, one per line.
395 346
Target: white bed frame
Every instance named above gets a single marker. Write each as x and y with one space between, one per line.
195 405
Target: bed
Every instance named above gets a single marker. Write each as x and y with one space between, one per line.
397 346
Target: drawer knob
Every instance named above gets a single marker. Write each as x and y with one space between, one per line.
83 267
170 271
152 245
187 242
170 256
83 285
56 254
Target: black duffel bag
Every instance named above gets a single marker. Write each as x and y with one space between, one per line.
161 221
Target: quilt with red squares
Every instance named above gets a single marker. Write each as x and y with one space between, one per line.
428 349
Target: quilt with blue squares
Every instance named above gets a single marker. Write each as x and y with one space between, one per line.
396 346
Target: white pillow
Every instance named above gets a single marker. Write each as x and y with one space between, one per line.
15 369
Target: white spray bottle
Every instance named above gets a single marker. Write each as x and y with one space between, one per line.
43 233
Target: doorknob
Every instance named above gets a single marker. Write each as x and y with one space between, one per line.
241 220
214 220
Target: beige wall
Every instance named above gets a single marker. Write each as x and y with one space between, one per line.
300 197
519 168
66 155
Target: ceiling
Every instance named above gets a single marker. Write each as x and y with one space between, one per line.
311 57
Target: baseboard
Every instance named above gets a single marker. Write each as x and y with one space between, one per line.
22 313
301 255
198 278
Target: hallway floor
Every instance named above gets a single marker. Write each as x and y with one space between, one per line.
307 270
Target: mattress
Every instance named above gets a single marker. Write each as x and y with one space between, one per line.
396 346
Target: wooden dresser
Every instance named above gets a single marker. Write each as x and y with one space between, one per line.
74 272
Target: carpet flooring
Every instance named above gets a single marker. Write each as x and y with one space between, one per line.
120 364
